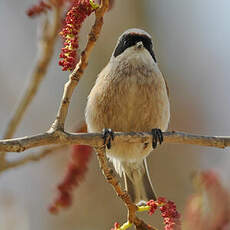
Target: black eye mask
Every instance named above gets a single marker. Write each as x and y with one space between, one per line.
129 40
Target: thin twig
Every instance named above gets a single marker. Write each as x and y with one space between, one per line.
47 42
32 158
76 75
96 140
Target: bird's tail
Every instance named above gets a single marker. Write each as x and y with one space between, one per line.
137 181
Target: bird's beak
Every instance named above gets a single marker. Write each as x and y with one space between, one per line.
139 45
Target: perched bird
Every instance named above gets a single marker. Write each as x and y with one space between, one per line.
130 94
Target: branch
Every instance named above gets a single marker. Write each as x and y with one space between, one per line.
141 225
131 207
31 158
96 139
76 75
47 42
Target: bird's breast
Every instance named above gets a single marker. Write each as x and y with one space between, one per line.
133 102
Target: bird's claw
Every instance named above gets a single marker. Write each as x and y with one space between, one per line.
157 136
108 136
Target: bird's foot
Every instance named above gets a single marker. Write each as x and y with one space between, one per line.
108 136
157 137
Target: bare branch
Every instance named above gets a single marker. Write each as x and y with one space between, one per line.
193 139
76 75
131 207
32 158
96 140
141 225
47 42
47 46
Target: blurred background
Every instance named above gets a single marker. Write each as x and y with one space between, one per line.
193 51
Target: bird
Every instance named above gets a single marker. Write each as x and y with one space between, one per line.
131 95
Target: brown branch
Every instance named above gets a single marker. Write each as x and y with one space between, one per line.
95 140
131 207
47 42
31 158
76 75
141 225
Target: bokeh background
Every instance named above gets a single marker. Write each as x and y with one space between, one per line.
192 46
